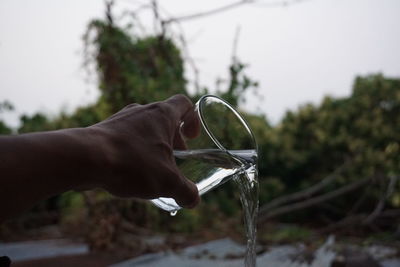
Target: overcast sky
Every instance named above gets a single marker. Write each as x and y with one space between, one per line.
298 53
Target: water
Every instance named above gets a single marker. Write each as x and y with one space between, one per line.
220 167
213 166
208 168
173 213
247 184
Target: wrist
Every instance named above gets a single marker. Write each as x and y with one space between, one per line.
84 156
98 147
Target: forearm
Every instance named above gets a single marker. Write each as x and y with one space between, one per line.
36 166
129 154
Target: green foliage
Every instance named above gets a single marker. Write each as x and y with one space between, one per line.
395 197
363 129
70 199
4 129
35 123
5 106
239 83
71 206
134 70
186 221
380 237
286 234
302 149
270 188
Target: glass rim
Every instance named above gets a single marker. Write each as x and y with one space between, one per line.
200 107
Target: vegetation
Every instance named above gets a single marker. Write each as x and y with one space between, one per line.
358 133
342 145
4 107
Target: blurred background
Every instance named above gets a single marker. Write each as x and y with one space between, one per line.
318 81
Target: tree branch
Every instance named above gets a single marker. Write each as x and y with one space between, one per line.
313 201
229 7
381 204
305 193
358 219
209 12
235 44
280 3
191 62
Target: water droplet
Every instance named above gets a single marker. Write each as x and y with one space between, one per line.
173 213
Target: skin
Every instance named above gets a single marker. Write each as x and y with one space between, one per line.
128 154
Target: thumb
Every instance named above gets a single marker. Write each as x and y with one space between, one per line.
186 193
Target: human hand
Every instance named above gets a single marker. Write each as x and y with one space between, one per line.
138 144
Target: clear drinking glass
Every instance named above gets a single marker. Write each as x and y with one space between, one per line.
225 148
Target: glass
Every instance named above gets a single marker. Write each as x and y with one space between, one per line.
225 148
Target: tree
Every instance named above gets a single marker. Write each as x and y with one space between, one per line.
134 69
5 106
361 129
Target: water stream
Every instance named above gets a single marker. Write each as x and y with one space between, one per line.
247 184
219 167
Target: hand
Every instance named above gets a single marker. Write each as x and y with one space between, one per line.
138 143
129 154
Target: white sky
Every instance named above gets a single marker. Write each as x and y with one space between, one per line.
298 53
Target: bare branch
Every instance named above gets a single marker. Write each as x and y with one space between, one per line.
235 44
157 20
349 220
109 6
305 193
280 3
191 62
313 201
209 12
358 219
229 7
381 204
359 202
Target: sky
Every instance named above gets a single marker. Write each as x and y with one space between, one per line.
298 53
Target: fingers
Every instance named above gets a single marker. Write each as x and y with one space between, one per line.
184 111
180 104
179 143
115 115
186 194
191 124
132 105
184 191
190 199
